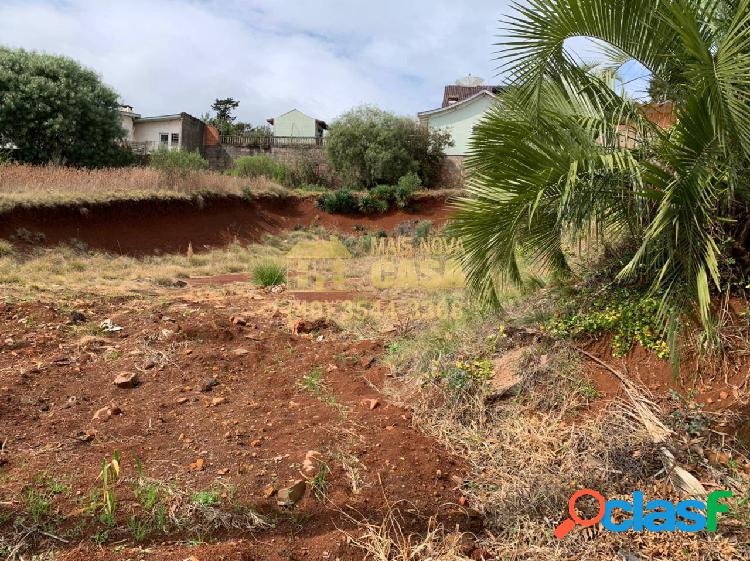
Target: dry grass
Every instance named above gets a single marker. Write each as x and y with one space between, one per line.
529 453
24 185
387 541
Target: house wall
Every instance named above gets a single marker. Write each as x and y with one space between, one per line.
460 122
149 131
193 131
127 124
294 123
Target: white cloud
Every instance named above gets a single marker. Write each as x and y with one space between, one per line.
321 56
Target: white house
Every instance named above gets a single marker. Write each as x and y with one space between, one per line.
464 104
180 131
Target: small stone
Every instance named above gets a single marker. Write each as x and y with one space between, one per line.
238 320
77 317
198 464
371 403
269 491
256 443
209 385
724 395
218 401
149 365
291 495
126 380
240 352
183 400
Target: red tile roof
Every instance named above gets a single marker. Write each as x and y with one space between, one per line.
454 93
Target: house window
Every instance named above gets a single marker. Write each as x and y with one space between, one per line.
175 139
164 138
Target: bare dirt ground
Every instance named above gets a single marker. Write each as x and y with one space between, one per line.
218 405
396 417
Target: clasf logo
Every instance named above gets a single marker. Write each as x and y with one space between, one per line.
654 516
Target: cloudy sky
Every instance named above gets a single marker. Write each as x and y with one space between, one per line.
320 56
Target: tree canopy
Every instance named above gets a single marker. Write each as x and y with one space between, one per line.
54 110
368 146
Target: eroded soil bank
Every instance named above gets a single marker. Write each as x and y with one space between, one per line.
167 226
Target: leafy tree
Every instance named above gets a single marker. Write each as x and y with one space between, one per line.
224 120
549 161
224 108
369 146
54 110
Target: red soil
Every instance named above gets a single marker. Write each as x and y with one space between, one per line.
255 435
148 227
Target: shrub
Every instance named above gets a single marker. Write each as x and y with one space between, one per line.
269 273
177 164
6 249
370 204
260 166
341 201
370 146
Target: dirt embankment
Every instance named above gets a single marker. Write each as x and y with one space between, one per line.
167 226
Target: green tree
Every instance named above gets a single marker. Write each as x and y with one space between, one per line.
549 161
368 146
54 110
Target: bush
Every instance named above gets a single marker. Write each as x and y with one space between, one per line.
177 164
370 204
269 273
341 201
370 146
260 166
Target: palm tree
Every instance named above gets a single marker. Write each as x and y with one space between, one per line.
549 160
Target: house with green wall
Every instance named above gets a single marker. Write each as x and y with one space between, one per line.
463 106
295 123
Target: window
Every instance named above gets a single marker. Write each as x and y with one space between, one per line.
175 139
164 138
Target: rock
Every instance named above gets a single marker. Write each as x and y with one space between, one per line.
505 378
269 491
724 395
209 385
183 400
218 401
126 380
238 320
198 464
240 352
77 318
315 326
85 436
179 283
256 443
310 462
278 289
106 412
291 495
371 403
149 365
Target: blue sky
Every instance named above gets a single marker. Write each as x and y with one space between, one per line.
320 56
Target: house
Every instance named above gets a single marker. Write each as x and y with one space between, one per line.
464 104
296 124
180 131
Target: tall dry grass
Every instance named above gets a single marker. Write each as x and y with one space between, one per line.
25 185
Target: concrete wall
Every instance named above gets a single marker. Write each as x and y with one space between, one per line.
294 123
460 120
127 124
192 136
